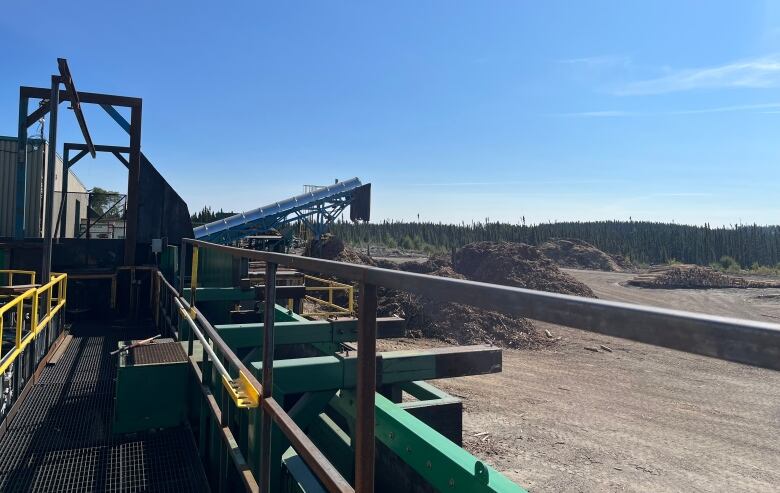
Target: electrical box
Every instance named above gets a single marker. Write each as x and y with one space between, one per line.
151 387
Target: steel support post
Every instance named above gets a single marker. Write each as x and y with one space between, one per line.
365 448
182 254
87 233
51 163
268 368
62 216
133 184
21 168
193 280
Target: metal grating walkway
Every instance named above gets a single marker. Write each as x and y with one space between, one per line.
61 438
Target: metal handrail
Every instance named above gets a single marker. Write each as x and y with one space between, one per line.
10 273
330 287
755 343
743 341
18 304
321 467
58 280
243 393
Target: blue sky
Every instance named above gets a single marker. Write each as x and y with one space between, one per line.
455 111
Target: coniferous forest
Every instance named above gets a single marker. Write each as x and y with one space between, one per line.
207 215
642 242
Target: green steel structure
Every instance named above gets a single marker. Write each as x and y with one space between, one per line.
341 421
316 369
277 402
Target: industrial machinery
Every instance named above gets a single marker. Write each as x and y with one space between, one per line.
316 209
242 391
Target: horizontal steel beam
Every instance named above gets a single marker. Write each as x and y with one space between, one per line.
340 372
743 341
98 147
309 332
84 97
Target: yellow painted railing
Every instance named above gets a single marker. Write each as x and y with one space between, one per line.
331 308
16 304
57 285
9 274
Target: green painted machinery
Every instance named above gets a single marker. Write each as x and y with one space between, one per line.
418 427
151 386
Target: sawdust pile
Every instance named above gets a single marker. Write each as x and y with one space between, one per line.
453 322
694 277
510 264
578 254
332 248
516 264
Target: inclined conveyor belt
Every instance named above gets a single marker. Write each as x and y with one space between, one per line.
275 214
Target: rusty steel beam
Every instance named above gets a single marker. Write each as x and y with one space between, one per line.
75 104
84 97
742 341
365 446
269 313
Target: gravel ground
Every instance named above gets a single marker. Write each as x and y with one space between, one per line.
634 419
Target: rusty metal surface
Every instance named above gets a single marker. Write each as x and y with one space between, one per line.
365 424
742 341
161 351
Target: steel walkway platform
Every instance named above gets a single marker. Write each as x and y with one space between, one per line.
61 438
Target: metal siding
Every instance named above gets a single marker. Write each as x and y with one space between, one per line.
36 163
7 180
35 182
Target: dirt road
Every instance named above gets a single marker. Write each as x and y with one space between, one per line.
635 419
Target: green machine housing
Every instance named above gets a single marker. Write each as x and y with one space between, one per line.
151 387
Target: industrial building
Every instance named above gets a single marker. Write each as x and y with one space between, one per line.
75 207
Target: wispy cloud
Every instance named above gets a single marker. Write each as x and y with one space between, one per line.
761 72
728 109
762 108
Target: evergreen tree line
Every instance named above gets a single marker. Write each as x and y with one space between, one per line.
207 215
641 242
